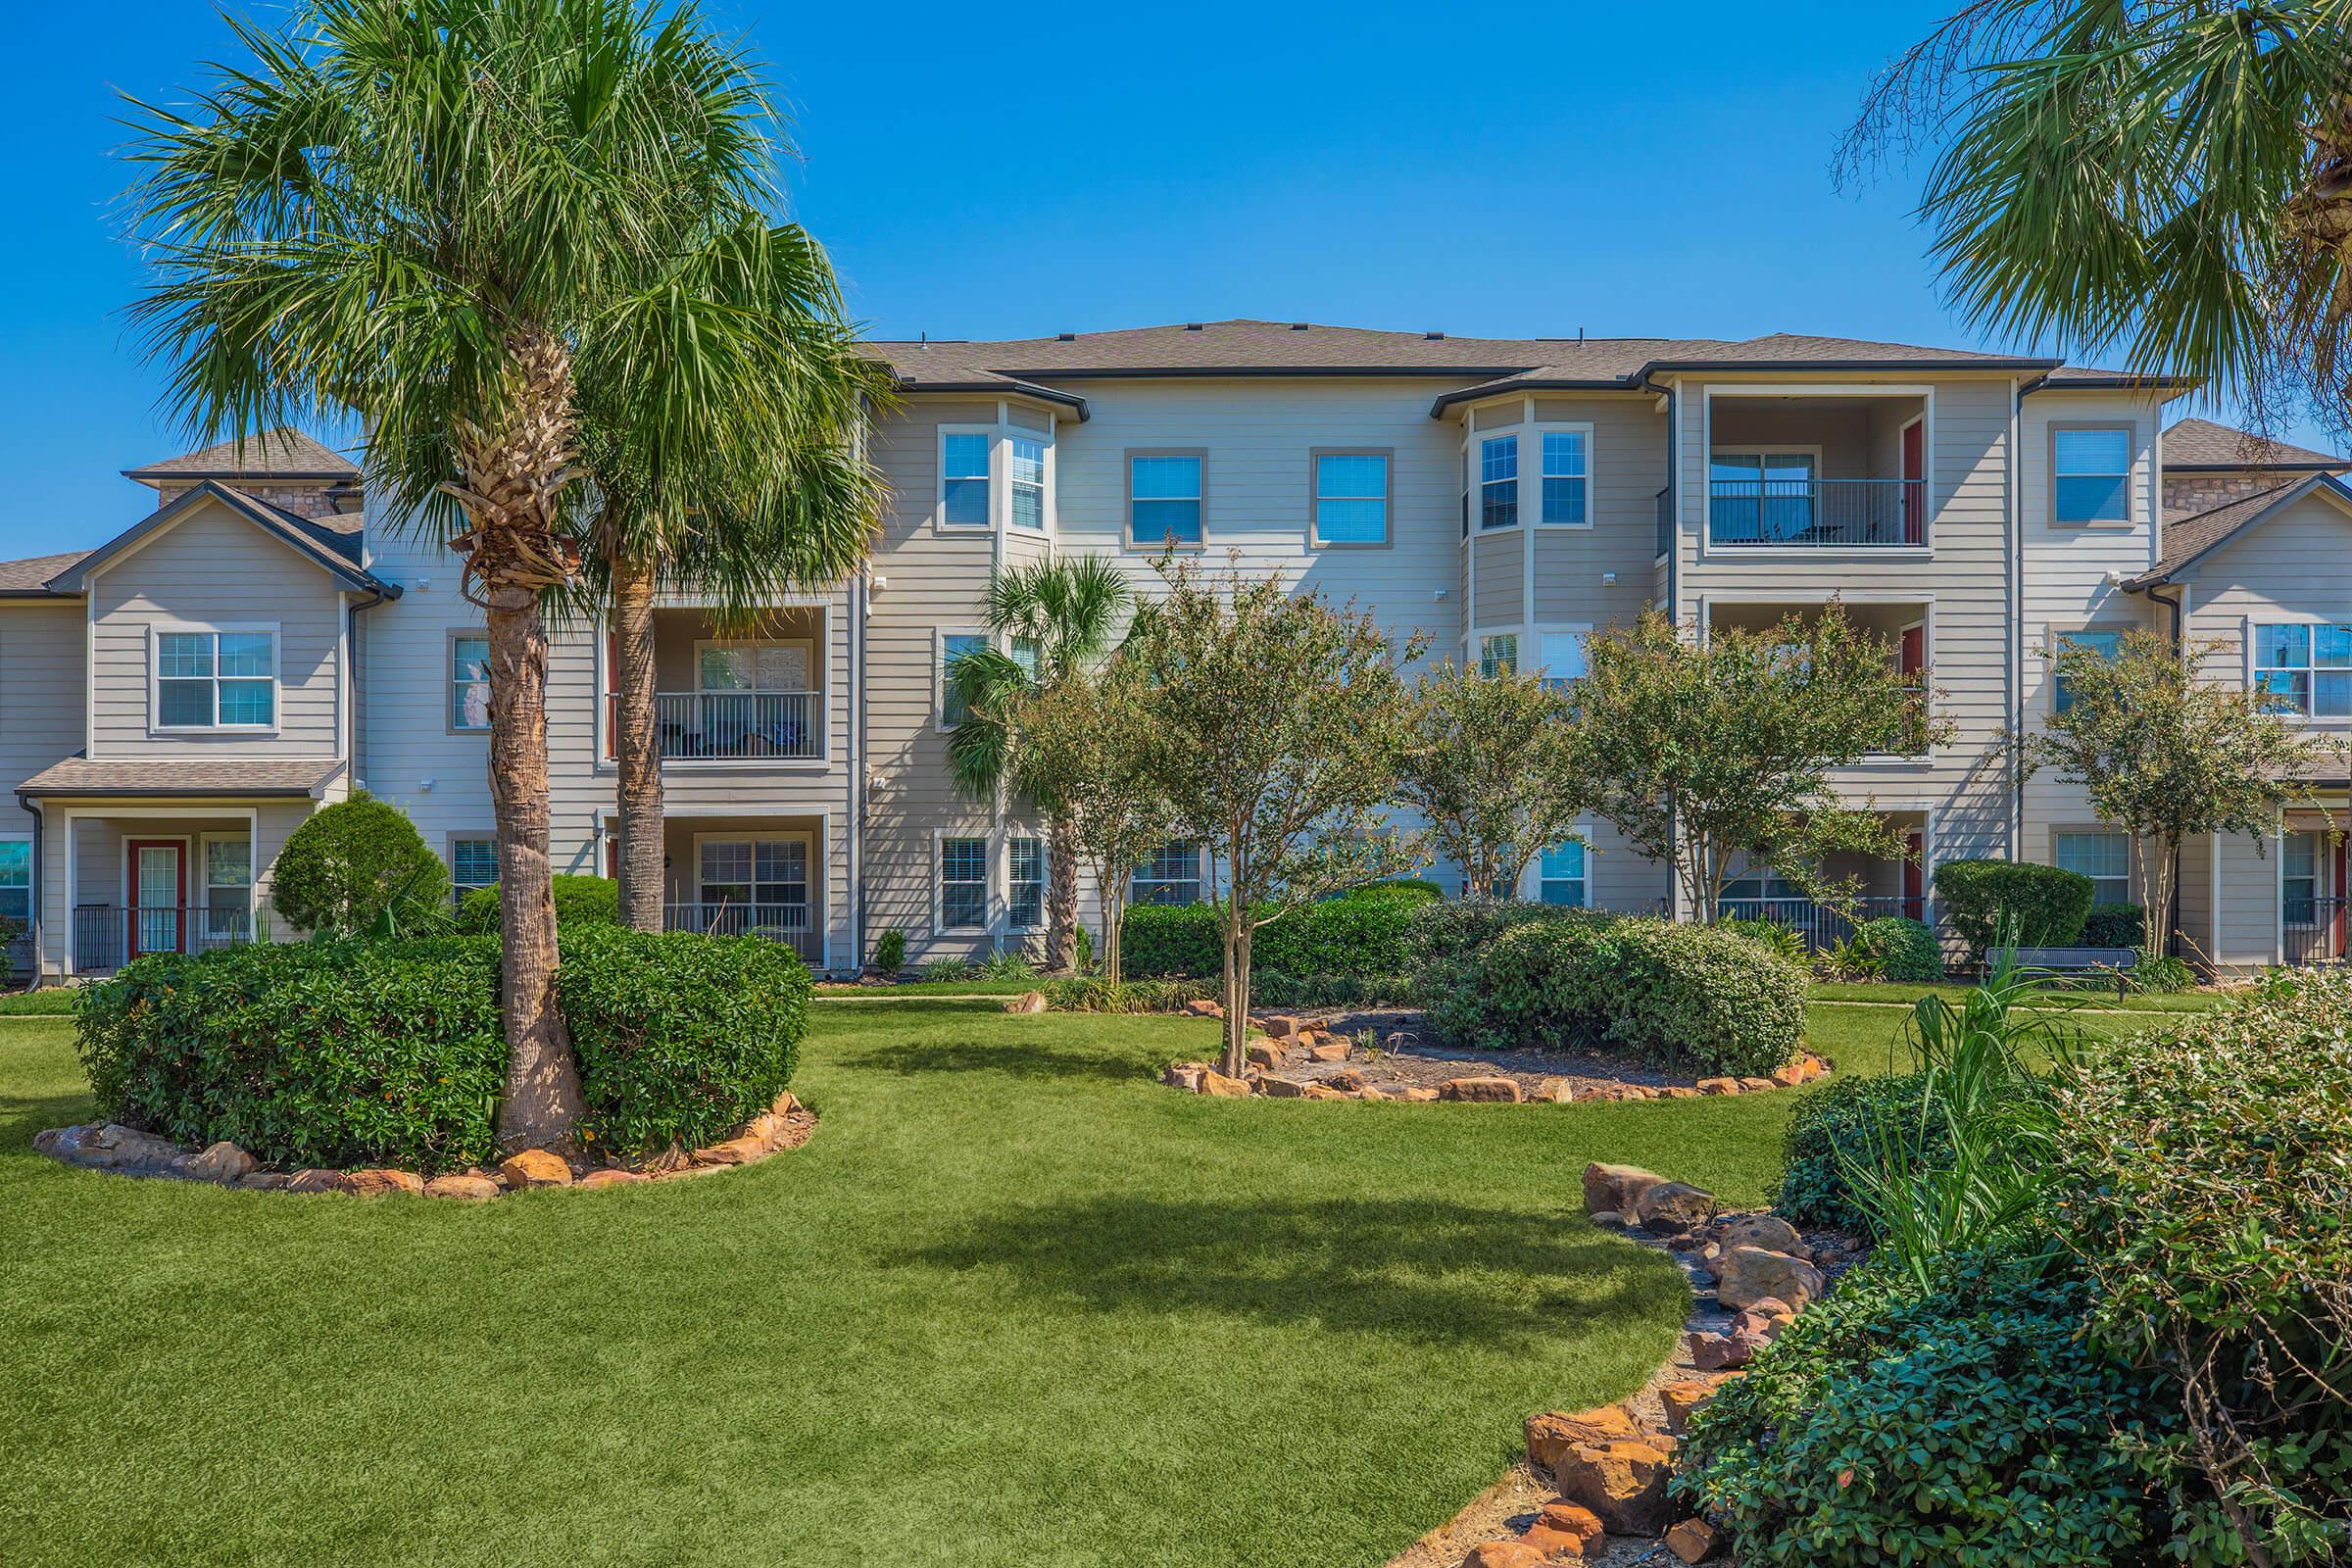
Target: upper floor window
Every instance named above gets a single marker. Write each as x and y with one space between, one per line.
962 884
469 681
1163 498
216 680
1025 892
2105 644
2090 474
1026 460
1564 479
2305 668
2104 858
963 478
1563 655
1172 875
1352 498
1498 482
953 709
1560 875
1499 655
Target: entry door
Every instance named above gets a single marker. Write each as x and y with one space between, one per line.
1915 483
159 892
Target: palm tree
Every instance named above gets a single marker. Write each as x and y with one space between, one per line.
427 213
1058 617
2171 178
769 493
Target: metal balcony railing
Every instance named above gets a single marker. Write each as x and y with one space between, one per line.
1820 927
106 938
2311 930
1817 514
788 923
739 726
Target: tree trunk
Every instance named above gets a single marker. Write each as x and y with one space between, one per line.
1114 911
634 746
1061 891
542 1085
1236 999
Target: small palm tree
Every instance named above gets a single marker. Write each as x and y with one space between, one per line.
1059 618
433 215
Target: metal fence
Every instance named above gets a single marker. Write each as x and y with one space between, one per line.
106 938
788 923
1820 927
1836 514
708 726
2312 931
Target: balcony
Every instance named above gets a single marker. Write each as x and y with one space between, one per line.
107 937
2311 930
1830 472
734 694
1820 927
1817 514
1900 628
709 727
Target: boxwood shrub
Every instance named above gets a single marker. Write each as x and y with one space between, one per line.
1900 949
579 901
2047 905
2116 925
1359 933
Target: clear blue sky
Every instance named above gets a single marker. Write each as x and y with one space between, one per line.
1623 169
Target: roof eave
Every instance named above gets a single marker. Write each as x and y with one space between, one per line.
2162 573
917 386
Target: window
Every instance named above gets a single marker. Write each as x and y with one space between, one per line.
2299 879
1352 498
1563 655
472 863
2305 668
228 891
752 667
1172 875
1163 498
1026 458
1564 479
2090 475
963 478
1499 655
2104 858
469 682
1026 894
216 680
16 886
962 884
951 647
1761 497
1560 875
2105 644
1498 482
767 877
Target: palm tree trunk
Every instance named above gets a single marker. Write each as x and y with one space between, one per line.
1061 891
542 1085
634 746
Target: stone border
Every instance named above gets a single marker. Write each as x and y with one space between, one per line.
127 1151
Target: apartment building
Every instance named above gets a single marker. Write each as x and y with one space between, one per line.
259 643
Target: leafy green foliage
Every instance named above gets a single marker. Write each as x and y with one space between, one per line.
1899 949
1097 994
350 863
2045 907
2115 925
1363 932
681 1038
949 968
1836 1125
1490 768
1963 1424
1678 996
1781 940
579 901
889 953
1006 966
2162 974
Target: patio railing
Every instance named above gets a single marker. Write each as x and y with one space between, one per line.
788 923
2312 931
735 727
106 938
1817 514
1820 927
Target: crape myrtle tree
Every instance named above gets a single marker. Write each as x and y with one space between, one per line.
1490 767
2167 755
1710 752
430 216
1278 725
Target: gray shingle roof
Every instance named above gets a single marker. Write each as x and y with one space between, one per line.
241 776
32 575
2193 446
2197 535
281 453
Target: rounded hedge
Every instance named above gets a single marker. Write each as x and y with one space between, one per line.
2046 905
1900 949
1363 932
2116 925
579 901
351 863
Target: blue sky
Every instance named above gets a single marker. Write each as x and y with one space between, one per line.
1626 169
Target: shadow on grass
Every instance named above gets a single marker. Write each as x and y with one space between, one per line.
1019 1059
22 1115
1423 1270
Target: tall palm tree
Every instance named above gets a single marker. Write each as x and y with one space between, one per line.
425 212
2173 177
1058 617
768 494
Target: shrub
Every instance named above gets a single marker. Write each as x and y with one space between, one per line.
1272 989
2049 904
1966 1423
2116 925
351 864
681 1038
1830 1128
1361 932
1006 966
579 901
940 970
1773 937
1899 949
1095 994
1675 995
341 1052
1445 932
889 953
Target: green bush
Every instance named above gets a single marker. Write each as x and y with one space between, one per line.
1847 1122
889 953
2162 975
1444 933
940 970
342 1052
681 1038
1007 965
579 901
1675 995
1773 937
1900 949
1269 987
1093 993
351 864
1362 932
1967 1424
2116 925
2047 905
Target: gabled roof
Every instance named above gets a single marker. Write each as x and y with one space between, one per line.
29 578
284 453
2200 446
2193 538
337 549
244 777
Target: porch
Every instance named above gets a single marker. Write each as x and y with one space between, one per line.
1799 473
136 885
734 695
2312 895
1901 626
1884 888
748 876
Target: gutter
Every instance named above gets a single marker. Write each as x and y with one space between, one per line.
359 701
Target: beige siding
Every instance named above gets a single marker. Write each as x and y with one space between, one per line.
2246 904
2295 566
41 701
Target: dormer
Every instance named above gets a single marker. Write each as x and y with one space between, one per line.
282 468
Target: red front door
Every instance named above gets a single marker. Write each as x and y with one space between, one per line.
1915 875
158 893
1915 483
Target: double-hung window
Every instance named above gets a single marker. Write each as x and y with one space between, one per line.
1025 889
2304 669
1163 498
1563 655
15 888
2105 644
1352 498
472 864
1499 655
469 681
1560 877
2090 474
1498 482
764 881
1171 876
963 487
2104 858
953 709
216 680
962 884
1565 456
1025 460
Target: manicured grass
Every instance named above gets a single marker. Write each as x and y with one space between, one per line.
54 1002
2085 996
909 989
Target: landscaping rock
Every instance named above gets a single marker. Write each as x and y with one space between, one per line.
1553 1434
1694 1540
381 1183
611 1176
1027 1002
1722 1352
317 1181
1419 1094
1755 1086
1624 1483
1719 1086
535 1168
109 1146
1683 1400
1674 1208
1746 1275
1213 1082
1184 1075
222 1162
734 1152
1616 1187
1555 1091
1503 1552
1282 1026
1203 1007
1677 1091
1503 1090
1573 1519
1283 1088
1348 1081
1768 1231
1265 1055
1328 1049
1554 1546
267 1181
784 1104
1788 1076
463 1189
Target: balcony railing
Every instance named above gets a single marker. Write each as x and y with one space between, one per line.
106 938
1820 927
788 923
1817 514
739 726
2312 931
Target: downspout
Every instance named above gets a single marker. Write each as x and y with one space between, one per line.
2015 674
856 767
359 703
2174 617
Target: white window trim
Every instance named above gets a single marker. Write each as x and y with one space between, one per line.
939 885
157 630
1531 875
2246 635
1476 650
1563 629
1045 507
1045 880
1542 429
1127 499
2051 636
812 871
32 886
449 855
449 681
2134 450
808 645
1476 449
939 673
998 506
2104 830
1200 865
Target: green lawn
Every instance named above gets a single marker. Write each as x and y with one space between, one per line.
1014 1304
